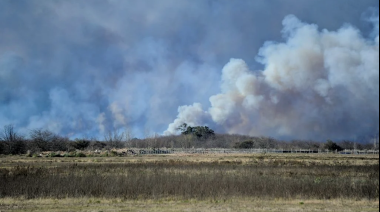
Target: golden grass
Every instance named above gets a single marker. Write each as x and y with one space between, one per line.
243 159
167 205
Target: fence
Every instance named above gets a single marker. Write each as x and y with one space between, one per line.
250 151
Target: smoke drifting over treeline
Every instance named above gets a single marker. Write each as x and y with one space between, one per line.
82 69
316 85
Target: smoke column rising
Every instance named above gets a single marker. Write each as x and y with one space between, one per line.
316 85
83 68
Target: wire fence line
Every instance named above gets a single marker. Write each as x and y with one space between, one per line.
249 151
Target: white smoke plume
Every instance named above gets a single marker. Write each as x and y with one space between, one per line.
192 115
83 68
319 84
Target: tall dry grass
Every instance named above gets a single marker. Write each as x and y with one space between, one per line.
188 180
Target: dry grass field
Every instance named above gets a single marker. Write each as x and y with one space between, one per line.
257 182
167 205
245 159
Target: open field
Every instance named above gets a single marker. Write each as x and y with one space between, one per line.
167 205
257 182
243 159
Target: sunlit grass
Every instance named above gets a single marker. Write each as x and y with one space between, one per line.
168 205
263 182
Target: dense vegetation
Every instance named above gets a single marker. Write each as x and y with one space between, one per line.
257 177
40 140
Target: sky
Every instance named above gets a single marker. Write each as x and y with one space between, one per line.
288 69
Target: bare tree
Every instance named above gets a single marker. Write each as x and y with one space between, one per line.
41 140
13 143
9 134
115 139
128 137
375 141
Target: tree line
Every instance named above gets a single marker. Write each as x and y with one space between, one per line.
40 140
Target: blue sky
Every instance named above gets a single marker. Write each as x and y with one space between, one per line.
81 68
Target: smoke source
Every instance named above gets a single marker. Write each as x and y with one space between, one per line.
318 84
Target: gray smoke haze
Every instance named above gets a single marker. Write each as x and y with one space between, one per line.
84 67
316 85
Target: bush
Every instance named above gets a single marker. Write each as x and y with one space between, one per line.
332 146
60 144
54 155
80 155
245 145
29 154
69 155
115 139
16 147
114 153
2 147
81 144
41 140
12 142
97 145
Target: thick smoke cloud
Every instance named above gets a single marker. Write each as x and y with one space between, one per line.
316 85
83 68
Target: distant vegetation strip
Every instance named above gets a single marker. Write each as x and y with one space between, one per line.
39 141
140 152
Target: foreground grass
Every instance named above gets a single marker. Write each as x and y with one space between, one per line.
245 159
260 182
167 205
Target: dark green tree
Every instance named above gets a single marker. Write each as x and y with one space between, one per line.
332 146
201 132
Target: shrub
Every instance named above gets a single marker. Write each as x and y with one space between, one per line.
54 155
60 144
13 143
80 155
29 154
70 155
115 139
81 144
114 153
245 145
41 140
17 147
332 146
98 145
2 147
